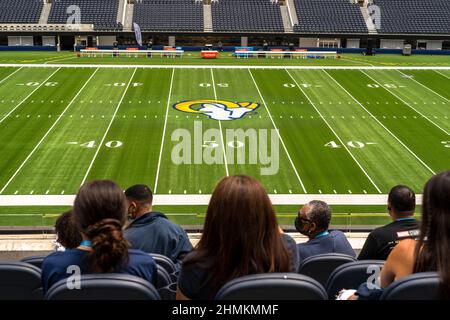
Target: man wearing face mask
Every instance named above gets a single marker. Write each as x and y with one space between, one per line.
151 231
313 221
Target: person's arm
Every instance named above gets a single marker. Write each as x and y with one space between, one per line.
180 295
399 262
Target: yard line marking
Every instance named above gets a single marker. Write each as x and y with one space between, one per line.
278 131
334 132
420 83
48 132
442 74
26 98
406 103
381 124
164 131
10 75
220 127
60 59
109 127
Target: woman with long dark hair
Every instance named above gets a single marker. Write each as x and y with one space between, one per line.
432 251
241 236
99 213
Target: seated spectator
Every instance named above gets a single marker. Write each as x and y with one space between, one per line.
99 213
381 241
429 253
67 234
151 231
313 221
240 237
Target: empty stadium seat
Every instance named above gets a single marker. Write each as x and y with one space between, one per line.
20 281
34 260
20 11
272 286
173 15
329 16
105 286
246 15
419 286
162 277
321 266
350 276
165 262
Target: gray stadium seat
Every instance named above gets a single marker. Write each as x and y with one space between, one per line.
350 276
321 266
20 281
272 286
419 286
105 286
162 278
20 11
34 260
165 262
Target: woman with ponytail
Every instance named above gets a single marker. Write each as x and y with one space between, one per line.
99 213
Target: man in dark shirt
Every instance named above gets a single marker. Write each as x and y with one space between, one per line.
152 232
381 241
313 221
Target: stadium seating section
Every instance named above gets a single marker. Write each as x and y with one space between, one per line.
173 15
329 16
101 13
246 15
20 11
414 16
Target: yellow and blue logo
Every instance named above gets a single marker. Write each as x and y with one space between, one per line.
222 110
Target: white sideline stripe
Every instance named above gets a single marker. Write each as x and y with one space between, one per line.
107 129
26 98
164 132
406 103
220 127
278 133
109 66
331 128
380 123
48 132
420 83
203 199
10 75
442 74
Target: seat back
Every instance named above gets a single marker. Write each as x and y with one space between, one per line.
418 286
272 286
165 262
20 281
34 260
162 277
351 275
321 266
105 286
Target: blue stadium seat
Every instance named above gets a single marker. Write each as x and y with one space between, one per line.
350 276
165 262
34 260
321 266
20 281
105 286
272 286
419 286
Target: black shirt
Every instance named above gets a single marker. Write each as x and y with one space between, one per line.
381 241
194 280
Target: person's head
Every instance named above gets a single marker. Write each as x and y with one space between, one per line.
67 233
100 213
139 199
432 252
313 218
240 234
401 202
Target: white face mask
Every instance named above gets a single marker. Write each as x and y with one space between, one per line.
58 246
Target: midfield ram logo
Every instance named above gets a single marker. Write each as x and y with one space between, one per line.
221 110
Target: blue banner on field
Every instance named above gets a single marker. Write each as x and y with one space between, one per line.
138 33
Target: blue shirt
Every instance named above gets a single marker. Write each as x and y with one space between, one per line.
54 266
334 242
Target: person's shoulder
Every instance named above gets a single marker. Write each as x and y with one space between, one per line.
139 254
337 234
404 249
61 258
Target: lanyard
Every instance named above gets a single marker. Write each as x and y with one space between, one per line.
86 243
405 219
322 234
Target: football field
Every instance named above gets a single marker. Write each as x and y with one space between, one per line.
343 134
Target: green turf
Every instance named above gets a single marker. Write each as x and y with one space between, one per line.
342 131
